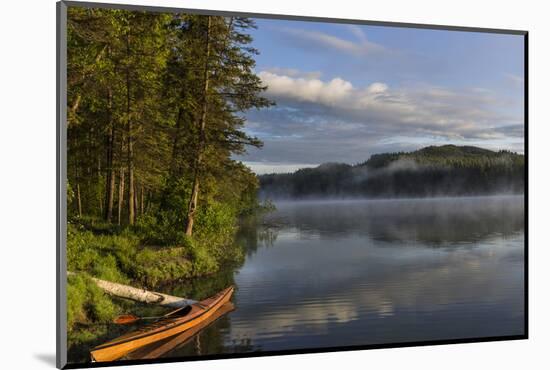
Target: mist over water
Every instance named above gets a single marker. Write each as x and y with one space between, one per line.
447 170
337 273
432 221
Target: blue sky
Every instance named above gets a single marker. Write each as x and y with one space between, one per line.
344 92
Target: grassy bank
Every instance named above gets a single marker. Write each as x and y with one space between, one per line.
147 255
153 254
124 256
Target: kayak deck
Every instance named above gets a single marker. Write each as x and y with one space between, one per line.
171 324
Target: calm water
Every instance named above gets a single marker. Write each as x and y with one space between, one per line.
340 273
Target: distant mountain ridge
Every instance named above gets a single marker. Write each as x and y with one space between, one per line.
431 171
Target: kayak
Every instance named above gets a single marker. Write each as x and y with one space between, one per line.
171 324
165 346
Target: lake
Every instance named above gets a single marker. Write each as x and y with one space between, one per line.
358 272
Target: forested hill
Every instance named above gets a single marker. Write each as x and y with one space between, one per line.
431 171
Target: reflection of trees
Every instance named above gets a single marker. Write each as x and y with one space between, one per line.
202 287
242 346
166 347
255 232
267 235
434 221
211 340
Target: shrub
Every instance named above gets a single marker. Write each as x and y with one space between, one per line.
108 257
76 299
86 301
155 266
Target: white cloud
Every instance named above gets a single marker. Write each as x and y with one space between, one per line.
292 72
319 120
517 81
427 110
377 88
307 89
262 168
358 32
325 40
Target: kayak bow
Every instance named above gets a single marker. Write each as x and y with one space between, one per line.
173 323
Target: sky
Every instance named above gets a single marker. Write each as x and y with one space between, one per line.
345 92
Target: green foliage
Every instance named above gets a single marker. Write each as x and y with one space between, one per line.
433 171
124 258
450 156
87 302
204 262
154 266
216 227
103 256
216 223
76 299
161 229
121 258
136 89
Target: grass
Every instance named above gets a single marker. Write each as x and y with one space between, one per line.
150 254
153 254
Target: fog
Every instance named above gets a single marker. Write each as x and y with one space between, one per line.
431 220
403 178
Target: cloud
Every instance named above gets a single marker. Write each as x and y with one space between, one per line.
426 110
317 121
517 81
322 41
277 167
377 88
307 89
511 130
292 72
358 32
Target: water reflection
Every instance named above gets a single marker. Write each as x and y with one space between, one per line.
365 272
172 344
340 273
430 221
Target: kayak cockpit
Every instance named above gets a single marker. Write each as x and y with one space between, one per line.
181 311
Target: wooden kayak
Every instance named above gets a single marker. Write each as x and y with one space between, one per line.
171 324
162 347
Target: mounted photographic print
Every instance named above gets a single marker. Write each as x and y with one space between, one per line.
235 185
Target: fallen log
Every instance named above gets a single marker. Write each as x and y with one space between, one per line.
140 295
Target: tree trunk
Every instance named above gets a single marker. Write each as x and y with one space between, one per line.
136 199
148 205
141 200
78 201
110 185
202 138
110 195
78 98
141 295
174 167
74 107
120 195
131 200
101 201
192 207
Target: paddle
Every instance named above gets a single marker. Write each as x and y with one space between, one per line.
130 319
